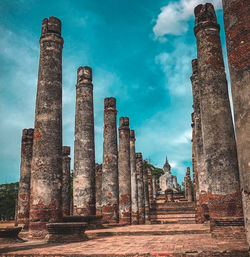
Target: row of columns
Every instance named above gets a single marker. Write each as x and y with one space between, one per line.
218 195
117 189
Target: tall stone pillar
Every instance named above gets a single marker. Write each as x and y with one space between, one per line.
225 206
46 167
124 174
134 185
237 28
194 163
110 190
202 183
23 203
141 198
146 196
66 194
154 187
188 188
150 187
98 188
84 152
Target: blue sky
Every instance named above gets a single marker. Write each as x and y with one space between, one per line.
140 52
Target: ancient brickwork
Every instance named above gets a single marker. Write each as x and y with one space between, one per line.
66 194
98 188
194 163
237 28
110 193
197 147
187 183
134 185
146 196
154 187
46 168
23 206
217 127
124 175
150 187
141 197
84 150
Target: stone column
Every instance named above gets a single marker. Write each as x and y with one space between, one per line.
202 213
146 196
134 185
237 24
194 163
124 175
141 198
154 186
98 188
150 187
66 181
225 206
84 152
110 190
46 167
23 203
188 188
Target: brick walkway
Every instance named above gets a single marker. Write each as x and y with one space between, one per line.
194 241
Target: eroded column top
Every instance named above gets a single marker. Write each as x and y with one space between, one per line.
132 134
109 103
28 133
66 150
205 17
188 171
138 155
51 25
124 123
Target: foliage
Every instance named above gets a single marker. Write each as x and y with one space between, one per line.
157 172
8 197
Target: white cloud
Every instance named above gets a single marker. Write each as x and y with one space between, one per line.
173 17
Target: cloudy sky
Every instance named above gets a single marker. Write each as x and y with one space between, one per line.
140 52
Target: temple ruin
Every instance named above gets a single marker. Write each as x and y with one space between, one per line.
122 190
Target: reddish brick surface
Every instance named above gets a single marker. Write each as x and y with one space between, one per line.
143 245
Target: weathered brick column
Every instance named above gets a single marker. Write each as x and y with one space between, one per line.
202 183
146 196
225 206
188 189
141 198
134 184
124 174
84 152
98 188
46 167
23 206
66 181
237 28
154 187
194 162
110 191
150 187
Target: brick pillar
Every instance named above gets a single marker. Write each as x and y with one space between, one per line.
141 198
46 167
84 151
154 187
124 175
237 28
110 190
225 206
188 188
146 196
194 163
150 187
23 203
202 182
98 188
134 185
66 194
